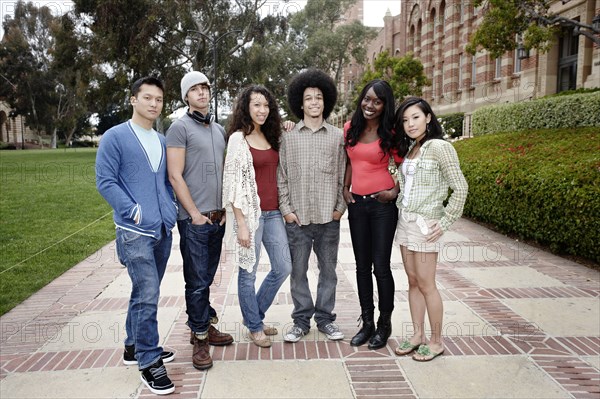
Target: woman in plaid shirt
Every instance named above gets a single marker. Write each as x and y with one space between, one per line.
429 168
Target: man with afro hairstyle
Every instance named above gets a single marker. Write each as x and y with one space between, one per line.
310 180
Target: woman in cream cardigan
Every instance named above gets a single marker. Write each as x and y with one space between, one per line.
250 199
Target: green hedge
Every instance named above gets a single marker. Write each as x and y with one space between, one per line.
452 121
542 185
546 113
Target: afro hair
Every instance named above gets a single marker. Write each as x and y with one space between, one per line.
311 77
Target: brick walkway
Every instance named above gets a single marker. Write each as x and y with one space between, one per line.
518 322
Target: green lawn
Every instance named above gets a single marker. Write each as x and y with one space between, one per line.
52 217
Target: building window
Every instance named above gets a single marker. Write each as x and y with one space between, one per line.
433 23
473 71
498 68
567 61
441 87
517 63
460 70
442 17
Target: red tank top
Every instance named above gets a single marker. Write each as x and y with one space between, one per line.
265 168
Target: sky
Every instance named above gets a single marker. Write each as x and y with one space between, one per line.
374 10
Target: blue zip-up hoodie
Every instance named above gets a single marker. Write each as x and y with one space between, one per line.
126 180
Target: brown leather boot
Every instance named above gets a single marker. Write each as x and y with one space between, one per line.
201 355
215 337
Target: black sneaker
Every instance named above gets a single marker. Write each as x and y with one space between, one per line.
156 379
130 360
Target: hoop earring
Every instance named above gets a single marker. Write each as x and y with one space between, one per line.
427 127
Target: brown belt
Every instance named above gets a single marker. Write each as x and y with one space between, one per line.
214 216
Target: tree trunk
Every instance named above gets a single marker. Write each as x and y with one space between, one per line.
53 140
69 136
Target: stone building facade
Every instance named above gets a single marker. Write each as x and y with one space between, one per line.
437 31
13 129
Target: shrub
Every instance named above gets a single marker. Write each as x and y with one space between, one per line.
7 146
452 123
574 91
546 113
541 185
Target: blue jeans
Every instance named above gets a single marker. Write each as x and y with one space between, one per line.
372 229
146 262
271 232
200 247
325 239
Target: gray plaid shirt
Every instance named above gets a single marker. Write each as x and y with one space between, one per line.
310 176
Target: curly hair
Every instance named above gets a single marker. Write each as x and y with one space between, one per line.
384 92
434 128
311 77
242 121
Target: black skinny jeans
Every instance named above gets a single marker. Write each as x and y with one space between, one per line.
372 228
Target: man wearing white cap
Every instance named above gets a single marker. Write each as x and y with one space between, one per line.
195 156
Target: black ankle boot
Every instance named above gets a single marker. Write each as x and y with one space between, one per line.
384 330
366 331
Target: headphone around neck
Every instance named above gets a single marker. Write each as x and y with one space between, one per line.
201 118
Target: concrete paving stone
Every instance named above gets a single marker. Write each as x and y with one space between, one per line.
396 254
119 288
463 251
459 321
100 330
118 382
594 361
480 377
508 276
346 255
564 308
568 317
172 284
277 379
175 258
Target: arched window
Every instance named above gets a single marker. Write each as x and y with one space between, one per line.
442 16
419 37
433 23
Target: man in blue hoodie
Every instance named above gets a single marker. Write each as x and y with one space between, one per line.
131 174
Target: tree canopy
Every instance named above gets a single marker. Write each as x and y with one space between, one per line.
39 61
405 75
506 22
62 69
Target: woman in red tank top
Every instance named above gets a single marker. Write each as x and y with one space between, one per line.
251 201
371 192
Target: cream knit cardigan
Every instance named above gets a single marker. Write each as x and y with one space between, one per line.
240 191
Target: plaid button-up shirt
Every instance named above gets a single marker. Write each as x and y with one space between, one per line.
310 176
437 169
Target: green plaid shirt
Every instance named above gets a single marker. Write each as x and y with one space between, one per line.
437 170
